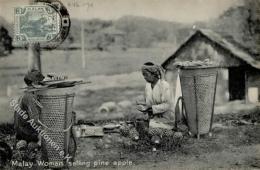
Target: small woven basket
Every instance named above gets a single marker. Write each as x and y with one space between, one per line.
198 89
57 119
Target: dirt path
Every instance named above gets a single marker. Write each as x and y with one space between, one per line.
238 158
246 157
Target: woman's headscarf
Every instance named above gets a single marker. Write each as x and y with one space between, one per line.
156 70
33 76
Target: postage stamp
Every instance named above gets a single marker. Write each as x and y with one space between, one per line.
36 23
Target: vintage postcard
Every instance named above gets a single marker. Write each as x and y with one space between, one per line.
130 84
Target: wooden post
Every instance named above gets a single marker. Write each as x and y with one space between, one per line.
34 56
83 57
246 87
34 52
83 44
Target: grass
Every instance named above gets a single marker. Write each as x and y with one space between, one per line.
91 100
13 67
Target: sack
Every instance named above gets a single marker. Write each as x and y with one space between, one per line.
24 130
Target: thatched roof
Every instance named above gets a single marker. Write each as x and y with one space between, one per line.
221 42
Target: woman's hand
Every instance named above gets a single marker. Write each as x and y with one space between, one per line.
143 108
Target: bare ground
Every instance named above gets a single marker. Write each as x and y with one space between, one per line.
235 147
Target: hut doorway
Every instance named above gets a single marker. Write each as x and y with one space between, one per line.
236 85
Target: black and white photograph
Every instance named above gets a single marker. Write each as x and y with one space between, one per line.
129 84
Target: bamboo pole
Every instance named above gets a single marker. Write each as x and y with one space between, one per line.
83 44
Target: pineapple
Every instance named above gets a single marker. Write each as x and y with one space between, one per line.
133 134
124 130
156 132
167 133
177 135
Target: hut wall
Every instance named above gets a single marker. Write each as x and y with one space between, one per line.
222 91
171 76
253 86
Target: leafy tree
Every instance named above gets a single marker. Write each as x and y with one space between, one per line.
253 24
5 42
241 25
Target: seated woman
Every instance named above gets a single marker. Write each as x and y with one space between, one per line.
157 102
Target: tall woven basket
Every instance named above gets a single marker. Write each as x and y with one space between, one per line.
56 118
198 89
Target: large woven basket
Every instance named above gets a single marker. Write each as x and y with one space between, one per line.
198 90
56 117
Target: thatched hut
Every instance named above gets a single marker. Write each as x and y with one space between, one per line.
113 33
239 70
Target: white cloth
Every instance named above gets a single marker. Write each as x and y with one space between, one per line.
159 98
157 124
